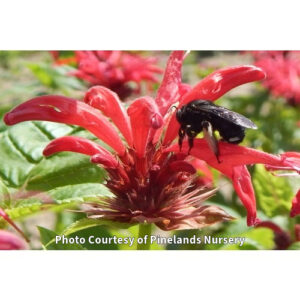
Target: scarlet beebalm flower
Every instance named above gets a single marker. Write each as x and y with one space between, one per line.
10 241
151 179
283 73
116 70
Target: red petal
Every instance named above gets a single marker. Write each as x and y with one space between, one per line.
233 159
79 145
241 180
107 161
69 111
295 211
220 82
169 91
10 241
230 154
213 87
144 117
270 225
109 103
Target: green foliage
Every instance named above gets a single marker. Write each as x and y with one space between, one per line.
30 183
48 235
274 194
56 77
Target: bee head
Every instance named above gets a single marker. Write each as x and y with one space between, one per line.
179 115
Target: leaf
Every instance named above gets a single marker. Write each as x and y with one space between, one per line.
79 192
88 223
85 228
64 169
21 149
48 235
295 246
274 194
22 162
55 77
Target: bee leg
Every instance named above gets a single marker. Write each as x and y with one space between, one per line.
211 139
191 135
181 134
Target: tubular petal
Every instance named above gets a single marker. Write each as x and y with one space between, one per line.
69 111
230 154
220 82
243 186
109 103
169 91
10 241
233 161
296 205
79 145
144 117
213 87
107 161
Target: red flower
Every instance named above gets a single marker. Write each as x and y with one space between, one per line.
283 73
116 69
151 179
10 241
296 205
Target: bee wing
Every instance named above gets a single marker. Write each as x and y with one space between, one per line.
211 139
225 114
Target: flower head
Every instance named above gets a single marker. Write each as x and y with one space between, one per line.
115 70
153 180
283 73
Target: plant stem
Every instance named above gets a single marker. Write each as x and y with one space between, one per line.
144 230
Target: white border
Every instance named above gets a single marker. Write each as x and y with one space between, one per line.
136 24
149 275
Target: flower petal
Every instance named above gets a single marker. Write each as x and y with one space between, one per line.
109 103
10 241
144 117
233 159
80 145
295 211
235 155
241 180
221 81
213 87
170 89
69 111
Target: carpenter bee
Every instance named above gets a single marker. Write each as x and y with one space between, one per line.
202 115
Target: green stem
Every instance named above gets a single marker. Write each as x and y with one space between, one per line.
144 230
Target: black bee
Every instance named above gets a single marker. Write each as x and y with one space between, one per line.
202 115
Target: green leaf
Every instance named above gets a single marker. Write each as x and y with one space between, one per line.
91 227
55 77
295 246
79 193
274 194
49 235
22 162
21 148
64 169
88 223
